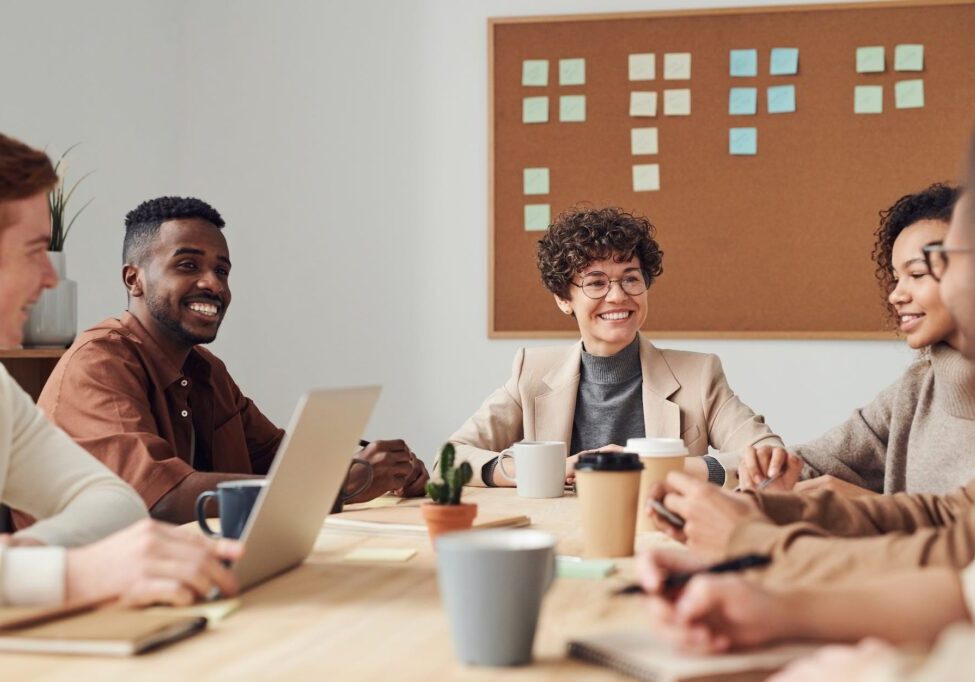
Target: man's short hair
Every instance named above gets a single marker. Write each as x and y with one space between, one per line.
142 223
24 172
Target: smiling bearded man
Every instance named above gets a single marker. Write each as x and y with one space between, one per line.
145 398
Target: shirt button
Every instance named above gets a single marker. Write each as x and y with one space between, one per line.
185 413
184 382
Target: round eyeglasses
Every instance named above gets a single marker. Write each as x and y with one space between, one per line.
596 285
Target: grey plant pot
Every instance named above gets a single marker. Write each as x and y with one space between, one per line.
53 321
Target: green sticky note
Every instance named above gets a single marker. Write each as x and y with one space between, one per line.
572 72
743 63
379 555
534 110
537 217
870 59
743 141
535 180
586 569
572 108
534 72
868 99
646 177
743 102
909 58
643 141
781 99
909 94
784 61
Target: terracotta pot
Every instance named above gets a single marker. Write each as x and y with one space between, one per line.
446 518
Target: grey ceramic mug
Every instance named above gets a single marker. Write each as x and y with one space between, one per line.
492 583
236 500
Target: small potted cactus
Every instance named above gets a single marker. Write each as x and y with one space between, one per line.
445 512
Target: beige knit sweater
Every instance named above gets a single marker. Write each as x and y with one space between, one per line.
916 436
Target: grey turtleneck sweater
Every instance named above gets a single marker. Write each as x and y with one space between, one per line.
609 405
916 436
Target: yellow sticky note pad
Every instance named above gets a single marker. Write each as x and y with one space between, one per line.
380 555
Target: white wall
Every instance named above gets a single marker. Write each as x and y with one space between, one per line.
345 144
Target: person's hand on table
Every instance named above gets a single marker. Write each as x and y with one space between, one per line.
570 463
760 464
837 485
416 484
710 513
392 466
151 563
837 663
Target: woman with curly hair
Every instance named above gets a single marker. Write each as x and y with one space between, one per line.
614 384
909 439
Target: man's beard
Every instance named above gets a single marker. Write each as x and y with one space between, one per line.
162 313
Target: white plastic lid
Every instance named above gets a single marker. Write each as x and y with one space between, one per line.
657 447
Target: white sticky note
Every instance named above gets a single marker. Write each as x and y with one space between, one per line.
534 110
537 217
572 71
572 108
677 66
646 177
379 555
534 72
868 99
909 94
870 59
909 58
643 104
643 67
677 102
643 141
535 180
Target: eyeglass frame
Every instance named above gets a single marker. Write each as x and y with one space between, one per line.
939 247
609 285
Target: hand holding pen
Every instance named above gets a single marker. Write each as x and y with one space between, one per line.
674 582
769 468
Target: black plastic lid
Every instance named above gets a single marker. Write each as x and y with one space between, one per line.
609 461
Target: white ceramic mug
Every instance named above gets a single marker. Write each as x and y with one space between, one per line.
539 467
660 456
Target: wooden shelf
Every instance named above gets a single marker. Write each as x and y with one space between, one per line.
31 353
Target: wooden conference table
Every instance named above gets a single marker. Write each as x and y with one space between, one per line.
330 619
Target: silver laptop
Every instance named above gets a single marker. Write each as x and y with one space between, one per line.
305 478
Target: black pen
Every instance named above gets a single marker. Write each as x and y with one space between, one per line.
676 581
363 443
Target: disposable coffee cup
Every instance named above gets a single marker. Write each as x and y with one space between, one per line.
660 456
608 486
235 500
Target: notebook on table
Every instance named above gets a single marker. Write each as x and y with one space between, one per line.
642 657
408 520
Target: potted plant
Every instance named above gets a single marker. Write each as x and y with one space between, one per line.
445 512
53 320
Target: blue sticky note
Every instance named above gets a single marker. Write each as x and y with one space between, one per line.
743 63
743 101
784 61
743 141
781 99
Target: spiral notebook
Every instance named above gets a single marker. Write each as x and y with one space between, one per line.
640 656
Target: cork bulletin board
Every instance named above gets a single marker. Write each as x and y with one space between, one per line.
776 137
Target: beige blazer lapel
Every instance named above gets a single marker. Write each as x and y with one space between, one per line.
555 408
661 417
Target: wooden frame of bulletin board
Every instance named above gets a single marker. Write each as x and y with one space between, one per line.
767 229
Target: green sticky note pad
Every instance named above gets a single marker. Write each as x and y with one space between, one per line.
743 101
534 110
534 73
868 99
743 63
909 94
535 180
572 72
781 99
743 141
586 569
909 58
572 108
537 217
870 59
784 61
379 555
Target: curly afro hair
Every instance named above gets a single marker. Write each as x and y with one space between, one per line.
142 223
580 236
934 203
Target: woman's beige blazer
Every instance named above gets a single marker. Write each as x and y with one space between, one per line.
685 395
